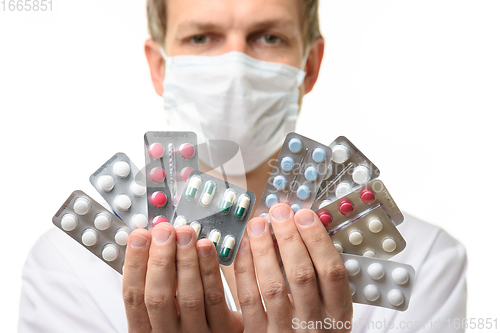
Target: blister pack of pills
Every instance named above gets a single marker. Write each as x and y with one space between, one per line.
357 204
170 158
94 227
349 169
371 235
122 185
379 282
297 174
216 210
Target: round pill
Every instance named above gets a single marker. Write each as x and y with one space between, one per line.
106 183
110 252
69 222
389 244
376 271
303 192
325 218
355 238
295 145
342 189
311 173
400 275
352 286
346 207
137 189
371 293
81 206
319 155
123 202
157 175
271 200
89 237
369 254
375 225
186 150
296 208
121 169
121 236
185 172
287 163
156 150
279 182
338 247
352 267
158 199
340 154
159 219
361 175
139 221
324 203
102 221
395 297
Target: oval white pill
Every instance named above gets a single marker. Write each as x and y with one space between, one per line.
121 236
123 202
395 297
110 252
121 169
342 189
69 222
180 220
137 189
389 244
81 206
371 293
375 225
106 183
370 254
352 267
352 286
400 275
89 237
340 154
376 271
361 175
102 221
355 237
139 221
339 247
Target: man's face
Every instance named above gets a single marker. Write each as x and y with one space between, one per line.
267 30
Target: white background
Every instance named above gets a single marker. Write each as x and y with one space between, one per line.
414 84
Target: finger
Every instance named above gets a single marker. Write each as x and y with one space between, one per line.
189 286
134 279
332 274
218 315
271 281
254 315
298 266
160 279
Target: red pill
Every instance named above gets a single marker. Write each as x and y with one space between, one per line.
367 196
157 175
156 150
185 172
346 207
325 218
158 199
186 150
159 219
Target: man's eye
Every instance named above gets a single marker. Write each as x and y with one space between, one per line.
270 39
200 39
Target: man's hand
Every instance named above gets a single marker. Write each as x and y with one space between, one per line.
152 299
306 250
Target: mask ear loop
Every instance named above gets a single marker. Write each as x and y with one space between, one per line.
163 54
306 57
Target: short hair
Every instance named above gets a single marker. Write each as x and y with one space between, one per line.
157 20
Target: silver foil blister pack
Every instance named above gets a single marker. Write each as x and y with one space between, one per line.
379 282
94 227
297 174
349 169
170 158
122 185
217 210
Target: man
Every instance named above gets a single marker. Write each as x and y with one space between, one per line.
228 40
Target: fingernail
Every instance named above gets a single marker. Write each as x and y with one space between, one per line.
161 235
205 250
258 226
138 241
305 218
184 238
281 213
243 246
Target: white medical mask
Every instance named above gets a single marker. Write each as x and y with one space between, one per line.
232 100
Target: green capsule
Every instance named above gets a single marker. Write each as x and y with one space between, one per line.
227 201
227 246
214 237
194 184
241 208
